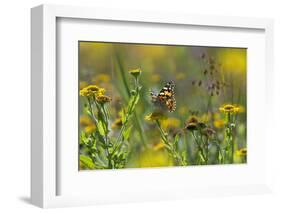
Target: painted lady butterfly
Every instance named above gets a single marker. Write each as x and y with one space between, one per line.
166 97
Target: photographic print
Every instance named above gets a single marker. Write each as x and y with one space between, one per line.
154 105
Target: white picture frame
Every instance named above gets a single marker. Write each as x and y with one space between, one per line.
45 156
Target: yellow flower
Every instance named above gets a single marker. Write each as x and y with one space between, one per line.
170 122
92 90
101 91
219 123
157 115
229 108
192 123
135 72
102 99
193 119
191 126
242 152
86 93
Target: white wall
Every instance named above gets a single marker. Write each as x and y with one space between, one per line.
15 98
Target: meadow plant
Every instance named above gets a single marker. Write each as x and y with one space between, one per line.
229 111
104 151
170 145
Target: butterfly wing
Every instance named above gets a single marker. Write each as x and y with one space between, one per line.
171 104
166 96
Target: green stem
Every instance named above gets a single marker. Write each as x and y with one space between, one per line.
127 118
102 110
207 150
127 89
108 154
170 147
232 150
106 130
162 133
229 136
92 112
199 147
139 127
220 152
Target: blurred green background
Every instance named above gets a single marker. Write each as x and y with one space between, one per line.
205 78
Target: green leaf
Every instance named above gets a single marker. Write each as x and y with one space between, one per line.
183 156
122 72
82 138
99 137
87 161
127 132
101 128
87 110
133 102
176 139
123 115
139 88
